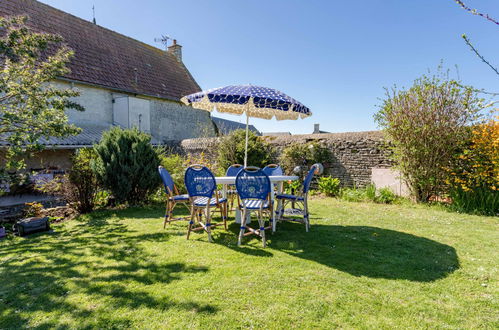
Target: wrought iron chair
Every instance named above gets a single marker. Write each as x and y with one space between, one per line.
253 188
273 169
173 196
231 191
201 186
299 200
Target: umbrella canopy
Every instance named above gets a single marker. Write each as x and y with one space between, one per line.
254 101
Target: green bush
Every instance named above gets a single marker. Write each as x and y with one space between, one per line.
481 201
175 165
84 180
127 165
79 187
232 146
386 196
353 194
304 154
426 126
329 186
369 193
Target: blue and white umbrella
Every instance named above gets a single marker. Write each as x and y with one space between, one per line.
254 101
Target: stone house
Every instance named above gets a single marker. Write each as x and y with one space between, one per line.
122 82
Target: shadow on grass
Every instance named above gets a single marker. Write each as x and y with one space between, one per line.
98 258
369 251
358 250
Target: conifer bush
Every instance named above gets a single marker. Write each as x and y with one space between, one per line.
126 165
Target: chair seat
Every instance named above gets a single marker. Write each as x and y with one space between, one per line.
289 196
203 201
184 197
254 204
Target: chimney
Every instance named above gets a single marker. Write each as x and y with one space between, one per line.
175 50
316 129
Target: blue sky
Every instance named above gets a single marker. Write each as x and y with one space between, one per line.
334 56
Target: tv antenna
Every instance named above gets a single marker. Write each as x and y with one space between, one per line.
93 13
164 40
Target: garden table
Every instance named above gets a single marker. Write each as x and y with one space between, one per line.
277 180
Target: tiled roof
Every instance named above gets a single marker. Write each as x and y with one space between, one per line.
225 126
89 135
106 58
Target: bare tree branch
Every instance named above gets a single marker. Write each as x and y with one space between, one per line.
468 42
475 12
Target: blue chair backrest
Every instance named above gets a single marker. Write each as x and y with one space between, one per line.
252 182
308 179
233 170
272 169
167 179
199 181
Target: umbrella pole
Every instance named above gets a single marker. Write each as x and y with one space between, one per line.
246 144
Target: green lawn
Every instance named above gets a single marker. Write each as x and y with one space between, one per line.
361 266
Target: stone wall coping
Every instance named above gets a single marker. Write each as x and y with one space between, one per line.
345 136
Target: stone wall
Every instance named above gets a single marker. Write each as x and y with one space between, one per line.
354 154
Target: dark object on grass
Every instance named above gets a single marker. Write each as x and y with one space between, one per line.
31 225
2 232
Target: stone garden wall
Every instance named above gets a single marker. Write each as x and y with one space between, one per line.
354 154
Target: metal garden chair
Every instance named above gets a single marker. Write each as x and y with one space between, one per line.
173 196
253 188
231 191
273 169
300 201
201 186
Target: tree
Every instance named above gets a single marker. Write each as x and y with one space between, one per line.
30 106
232 146
426 126
127 164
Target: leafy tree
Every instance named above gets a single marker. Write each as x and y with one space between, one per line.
426 125
232 146
127 164
30 107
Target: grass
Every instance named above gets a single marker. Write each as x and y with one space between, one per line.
361 266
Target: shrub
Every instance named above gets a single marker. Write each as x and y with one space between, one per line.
474 177
231 150
305 155
425 126
370 192
329 186
175 164
127 165
33 209
79 187
353 194
386 196
292 187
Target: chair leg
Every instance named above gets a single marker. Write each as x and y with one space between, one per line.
225 205
208 223
191 222
261 222
306 217
243 227
167 212
172 206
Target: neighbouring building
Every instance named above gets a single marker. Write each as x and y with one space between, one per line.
122 82
225 126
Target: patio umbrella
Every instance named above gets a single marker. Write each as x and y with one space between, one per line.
254 101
